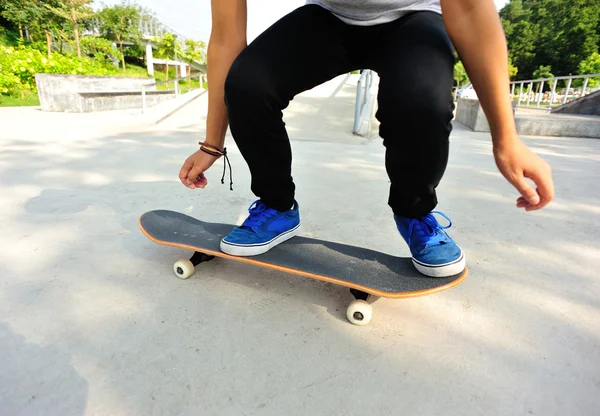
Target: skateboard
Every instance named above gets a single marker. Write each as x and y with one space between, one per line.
368 274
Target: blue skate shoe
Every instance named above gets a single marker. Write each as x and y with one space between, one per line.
434 253
263 229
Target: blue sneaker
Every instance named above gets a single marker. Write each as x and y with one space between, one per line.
434 253
263 229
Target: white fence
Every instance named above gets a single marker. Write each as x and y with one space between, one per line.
546 93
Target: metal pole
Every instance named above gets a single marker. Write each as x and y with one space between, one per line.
585 83
512 91
520 95
529 93
567 91
541 92
357 104
554 82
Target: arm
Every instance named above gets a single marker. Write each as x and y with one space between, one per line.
475 30
227 40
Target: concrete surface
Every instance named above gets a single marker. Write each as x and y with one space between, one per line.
93 322
531 122
31 123
588 105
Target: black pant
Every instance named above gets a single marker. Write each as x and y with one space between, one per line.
414 59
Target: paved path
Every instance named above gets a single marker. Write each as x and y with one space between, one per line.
92 321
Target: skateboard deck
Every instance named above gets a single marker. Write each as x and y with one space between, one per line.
364 271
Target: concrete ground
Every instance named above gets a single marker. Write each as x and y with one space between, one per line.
93 322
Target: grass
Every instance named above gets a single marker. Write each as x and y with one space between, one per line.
23 99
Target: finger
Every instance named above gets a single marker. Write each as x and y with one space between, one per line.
545 188
185 169
193 174
200 181
523 204
526 190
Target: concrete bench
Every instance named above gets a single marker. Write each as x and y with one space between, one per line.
81 94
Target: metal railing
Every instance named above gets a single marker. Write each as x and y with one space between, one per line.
363 95
176 86
555 94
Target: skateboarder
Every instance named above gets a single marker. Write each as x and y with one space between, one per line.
410 44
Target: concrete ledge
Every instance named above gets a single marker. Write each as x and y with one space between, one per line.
63 93
103 101
531 122
558 125
470 113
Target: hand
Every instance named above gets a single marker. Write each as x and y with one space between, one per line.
192 171
516 162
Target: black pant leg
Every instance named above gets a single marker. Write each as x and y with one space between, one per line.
415 60
300 51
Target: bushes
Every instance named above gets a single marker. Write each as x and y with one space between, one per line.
18 67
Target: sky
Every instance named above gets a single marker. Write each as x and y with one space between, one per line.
191 18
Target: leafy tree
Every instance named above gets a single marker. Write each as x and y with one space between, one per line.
460 74
120 23
18 12
194 51
75 11
558 33
512 70
591 65
44 22
543 71
166 46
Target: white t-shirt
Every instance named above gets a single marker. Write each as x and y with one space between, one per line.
374 12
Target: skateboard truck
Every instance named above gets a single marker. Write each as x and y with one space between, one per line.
185 268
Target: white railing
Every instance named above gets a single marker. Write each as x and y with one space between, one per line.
363 95
177 88
531 92
148 26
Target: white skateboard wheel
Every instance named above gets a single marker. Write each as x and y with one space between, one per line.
183 268
359 312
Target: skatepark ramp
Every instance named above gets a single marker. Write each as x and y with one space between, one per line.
586 105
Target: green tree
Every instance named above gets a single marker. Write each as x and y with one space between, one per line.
120 23
194 51
166 46
18 12
75 11
591 65
44 22
512 70
559 33
460 74
543 71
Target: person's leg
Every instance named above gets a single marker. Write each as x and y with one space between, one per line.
302 50
415 63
